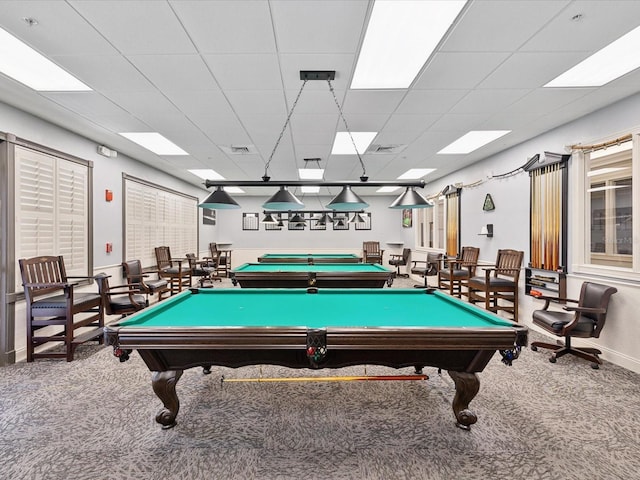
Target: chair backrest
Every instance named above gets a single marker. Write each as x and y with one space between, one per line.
508 264
371 248
469 256
42 275
191 257
433 263
133 271
406 253
102 279
595 295
163 257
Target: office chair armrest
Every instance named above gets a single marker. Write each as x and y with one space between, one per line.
573 323
584 309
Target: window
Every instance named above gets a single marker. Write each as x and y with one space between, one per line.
52 209
610 211
430 223
156 216
606 195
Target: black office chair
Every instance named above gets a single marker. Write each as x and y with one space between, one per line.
426 268
400 260
585 320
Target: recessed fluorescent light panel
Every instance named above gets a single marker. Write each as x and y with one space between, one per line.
24 64
233 189
401 36
415 173
206 174
387 189
472 141
310 173
342 144
310 189
155 142
613 61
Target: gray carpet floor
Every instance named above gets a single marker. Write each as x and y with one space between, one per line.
93 418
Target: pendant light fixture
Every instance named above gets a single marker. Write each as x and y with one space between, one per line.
347 199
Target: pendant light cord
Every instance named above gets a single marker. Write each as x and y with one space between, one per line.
364 177
284 127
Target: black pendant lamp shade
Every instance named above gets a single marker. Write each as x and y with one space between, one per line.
347 200
411 199
283 200
268 218
219 200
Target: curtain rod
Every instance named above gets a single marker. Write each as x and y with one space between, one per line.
601 146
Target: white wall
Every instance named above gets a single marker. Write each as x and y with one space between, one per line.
510 218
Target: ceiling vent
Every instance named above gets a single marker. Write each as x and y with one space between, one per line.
386 149
239 149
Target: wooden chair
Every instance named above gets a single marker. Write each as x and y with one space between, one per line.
205 270
220 258
135 276
177 275
122 299
400 260
585 320
52 302
498 287
426 268
456 272
371 252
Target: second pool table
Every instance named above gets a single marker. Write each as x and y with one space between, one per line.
316 329
302 275
309 258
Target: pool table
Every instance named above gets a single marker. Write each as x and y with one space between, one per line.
309 258
329 328
302 275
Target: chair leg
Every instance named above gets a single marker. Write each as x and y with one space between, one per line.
559 350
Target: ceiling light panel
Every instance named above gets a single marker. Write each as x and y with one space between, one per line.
342 144
400 37
24 64
613 61
154 142
206 174
311 173
472 141
415 173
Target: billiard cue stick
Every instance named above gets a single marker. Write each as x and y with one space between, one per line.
345 378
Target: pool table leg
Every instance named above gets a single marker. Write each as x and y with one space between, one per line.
164 386
467 386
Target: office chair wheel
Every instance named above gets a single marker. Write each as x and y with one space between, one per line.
552 359
534 348
595 366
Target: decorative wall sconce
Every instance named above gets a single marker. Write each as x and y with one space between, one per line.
487 230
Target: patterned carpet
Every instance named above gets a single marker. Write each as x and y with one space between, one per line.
93 418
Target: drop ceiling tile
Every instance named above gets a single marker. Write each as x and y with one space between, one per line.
317 26
105 73
499 26
175 72
524 70
245 72
488 101
137 26
228 26
260 102
458 70
372 101
430 101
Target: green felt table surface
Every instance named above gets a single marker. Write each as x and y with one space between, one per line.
329 308
318 267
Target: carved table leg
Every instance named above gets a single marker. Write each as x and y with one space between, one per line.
467 386
164 386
